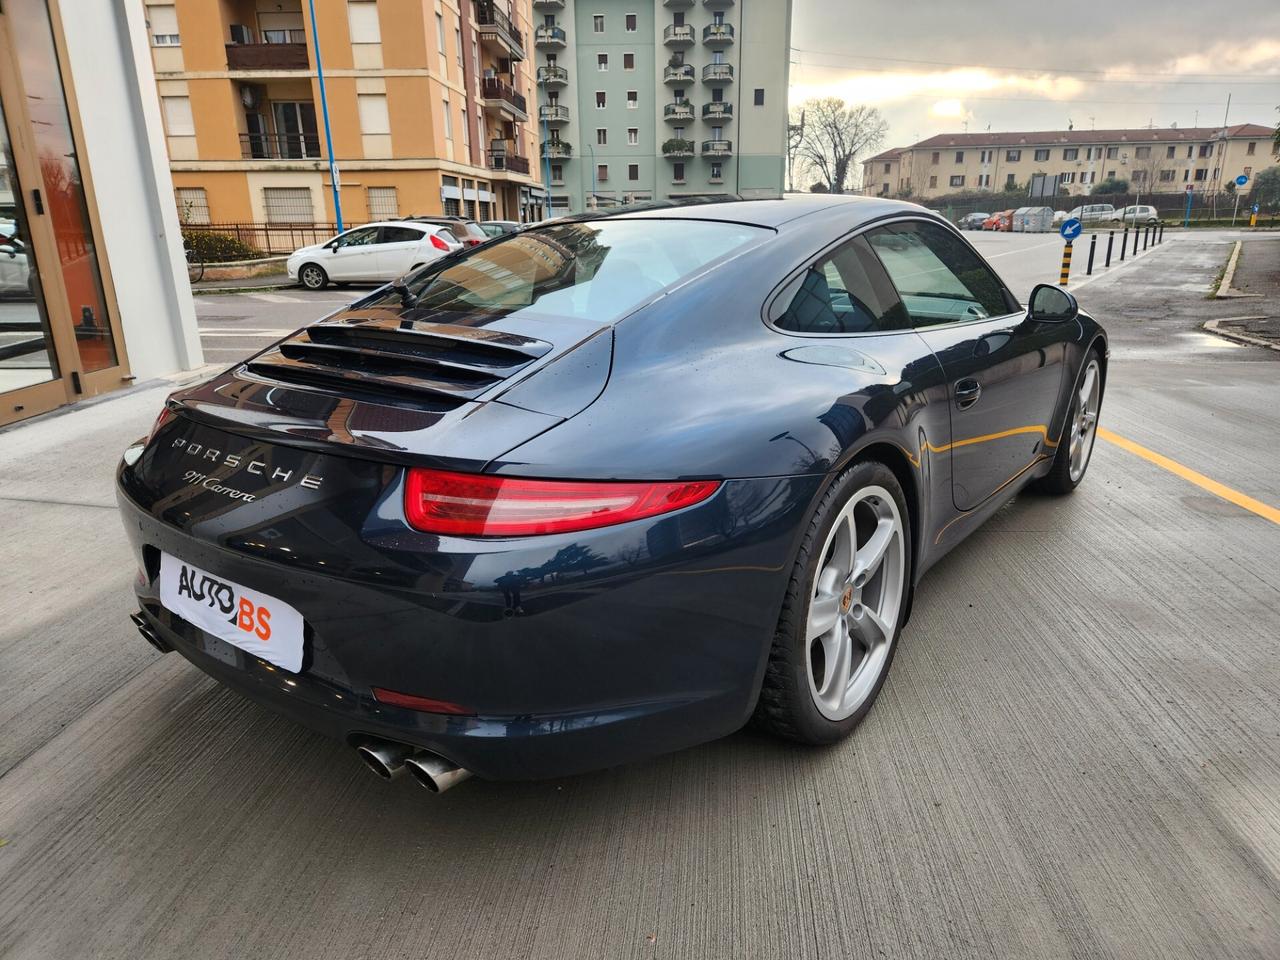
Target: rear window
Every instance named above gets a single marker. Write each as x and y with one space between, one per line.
598 270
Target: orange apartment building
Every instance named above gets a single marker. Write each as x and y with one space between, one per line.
428 108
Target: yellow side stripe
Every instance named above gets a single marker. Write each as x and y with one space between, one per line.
1191 476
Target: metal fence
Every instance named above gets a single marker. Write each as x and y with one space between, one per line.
270 238
1172 207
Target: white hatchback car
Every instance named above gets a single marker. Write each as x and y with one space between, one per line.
1136 213
375 251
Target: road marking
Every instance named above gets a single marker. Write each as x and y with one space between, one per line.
246 333
273 298
1010 253
1191 476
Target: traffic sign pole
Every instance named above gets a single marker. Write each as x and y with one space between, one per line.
1066 265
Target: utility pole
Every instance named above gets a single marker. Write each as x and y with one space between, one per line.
324 110
546 150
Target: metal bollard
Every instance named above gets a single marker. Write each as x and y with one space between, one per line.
1111 238
1146 235
1160 238
1066 265
1124 244
1093 243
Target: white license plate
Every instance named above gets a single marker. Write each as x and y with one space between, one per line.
255 622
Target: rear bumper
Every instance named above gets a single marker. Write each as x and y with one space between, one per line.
574 652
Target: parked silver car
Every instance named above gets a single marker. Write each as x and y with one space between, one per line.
1136 213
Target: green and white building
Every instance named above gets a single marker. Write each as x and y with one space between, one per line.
661 98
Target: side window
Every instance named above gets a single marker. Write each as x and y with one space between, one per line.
358 238
846 292
445 234
940 278
400 235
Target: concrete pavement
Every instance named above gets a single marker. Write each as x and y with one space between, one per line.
1076 755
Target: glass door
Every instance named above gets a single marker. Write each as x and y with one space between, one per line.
58 339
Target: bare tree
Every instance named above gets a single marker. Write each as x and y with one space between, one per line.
795 135
835 135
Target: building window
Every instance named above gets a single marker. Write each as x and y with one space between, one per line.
602 136
1067 177
886 168
628 61
287 204
602 62
1042 155
957 180
759 97
1201 174
440 32
163 23
959 156
1013 156
597 23
984 179
936 158
372 108
1070 153
677 172
557 173
985 156
466 129
193 205
1249 150
633 171
382 203
631 23
457 36
1113 152
717 171
1139 176
448 122
1166 176
362 21
600 100
1142 153
1206 149
933 182
1168 152
633 99
602 172
1010 180
178 121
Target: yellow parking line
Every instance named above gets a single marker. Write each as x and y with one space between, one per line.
1199 479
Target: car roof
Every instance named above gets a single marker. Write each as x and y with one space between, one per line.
773 212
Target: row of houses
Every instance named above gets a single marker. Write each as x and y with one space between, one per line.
1153 160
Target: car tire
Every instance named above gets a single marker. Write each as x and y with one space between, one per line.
312 276
1071 462
802 696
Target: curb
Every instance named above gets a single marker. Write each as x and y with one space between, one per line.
1213 327
1225 291
203 291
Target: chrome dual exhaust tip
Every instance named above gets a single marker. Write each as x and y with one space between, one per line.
389 760
148 633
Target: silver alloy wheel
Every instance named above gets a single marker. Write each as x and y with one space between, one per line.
312 277
856 602
1085 425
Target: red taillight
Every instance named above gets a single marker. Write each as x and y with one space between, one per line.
475 505
165 416
438 243
424 704
471 242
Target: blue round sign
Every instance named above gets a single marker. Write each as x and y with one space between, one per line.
1071 228
1255 208
1241 180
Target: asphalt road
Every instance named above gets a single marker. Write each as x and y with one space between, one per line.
1077 753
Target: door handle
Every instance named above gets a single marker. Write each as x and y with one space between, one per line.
967 392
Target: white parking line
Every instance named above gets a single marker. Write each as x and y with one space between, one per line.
1010 253
246 333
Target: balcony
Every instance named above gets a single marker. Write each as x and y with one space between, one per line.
679 111
717 34
502 158
496 29
717 148
548 6
678 4
717 110
553 76
717 4
717 73
680 73
554 114
678 35
556 150
280 146
500 96
549 38
267 56
677 149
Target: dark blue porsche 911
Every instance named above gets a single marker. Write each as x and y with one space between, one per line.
607 487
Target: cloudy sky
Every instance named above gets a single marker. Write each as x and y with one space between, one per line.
933 65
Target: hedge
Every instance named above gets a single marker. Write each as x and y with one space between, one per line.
218 247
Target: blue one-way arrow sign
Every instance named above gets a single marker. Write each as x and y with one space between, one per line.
1071 228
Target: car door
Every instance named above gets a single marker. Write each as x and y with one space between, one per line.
1004 369
400 249
353 255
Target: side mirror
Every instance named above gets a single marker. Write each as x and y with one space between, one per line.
1050 304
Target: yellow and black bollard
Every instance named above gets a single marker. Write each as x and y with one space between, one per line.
1066 265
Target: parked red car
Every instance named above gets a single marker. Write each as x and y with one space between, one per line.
1003 220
